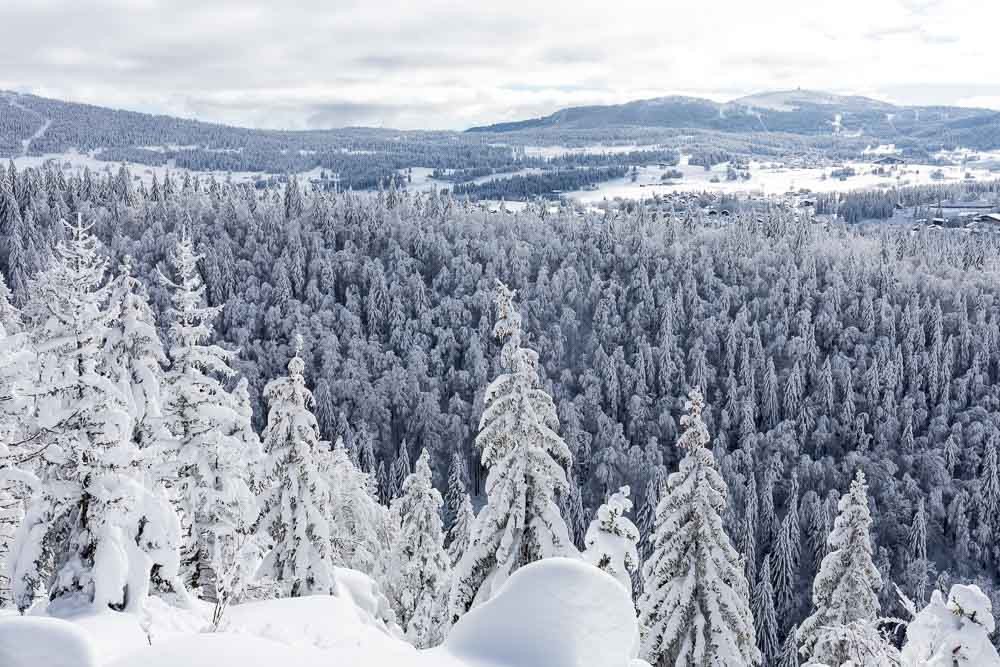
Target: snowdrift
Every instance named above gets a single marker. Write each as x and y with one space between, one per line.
554 613
48 642
557 612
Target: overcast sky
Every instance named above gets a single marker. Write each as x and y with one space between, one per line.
448 64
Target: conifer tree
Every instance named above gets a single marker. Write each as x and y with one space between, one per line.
92 531
214 455
296 503
787 552
399 471
17 360
456 489
646 519
764 615
360 526
695 608
611 539
845 600
988 497
789 656
571 506
461 531
527 461
419 569
919 568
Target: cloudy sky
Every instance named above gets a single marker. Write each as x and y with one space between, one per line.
447 64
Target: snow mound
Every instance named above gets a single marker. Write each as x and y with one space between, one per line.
49 642
110 633
558 612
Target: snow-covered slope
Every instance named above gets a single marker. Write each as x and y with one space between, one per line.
554 613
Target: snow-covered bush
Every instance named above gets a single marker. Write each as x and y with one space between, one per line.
955 633
611 539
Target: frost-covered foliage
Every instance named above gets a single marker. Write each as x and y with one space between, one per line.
361 528
953 633
17 449
612 537
418 571
893 332
298 494
842 626
215 449
93 530
521 522
695 607
461 531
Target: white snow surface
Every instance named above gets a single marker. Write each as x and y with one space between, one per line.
554 613
558 612
27 641
952 633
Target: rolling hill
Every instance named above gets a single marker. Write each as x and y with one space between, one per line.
799 112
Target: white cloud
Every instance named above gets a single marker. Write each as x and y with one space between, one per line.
441 64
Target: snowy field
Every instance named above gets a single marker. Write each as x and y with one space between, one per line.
74 162
549 152
772 178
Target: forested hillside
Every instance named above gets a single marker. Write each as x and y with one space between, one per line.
820 351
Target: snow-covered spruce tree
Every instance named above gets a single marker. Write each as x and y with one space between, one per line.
764 615
456 489
213 456
419 570
845 599
461 531
656 487
527 462
399 471
92 531
360 527
135 358
789 656
695 608
17 450
611 539
571 507
298 496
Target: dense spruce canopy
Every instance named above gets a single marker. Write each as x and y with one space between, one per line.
884 344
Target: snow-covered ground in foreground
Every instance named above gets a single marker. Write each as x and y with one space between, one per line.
555 613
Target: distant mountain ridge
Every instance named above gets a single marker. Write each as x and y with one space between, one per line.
804 112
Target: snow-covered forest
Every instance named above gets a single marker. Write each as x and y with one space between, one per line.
779 438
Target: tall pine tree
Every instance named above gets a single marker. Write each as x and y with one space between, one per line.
527 460
695 609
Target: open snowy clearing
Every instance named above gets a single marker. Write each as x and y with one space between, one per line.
771 179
